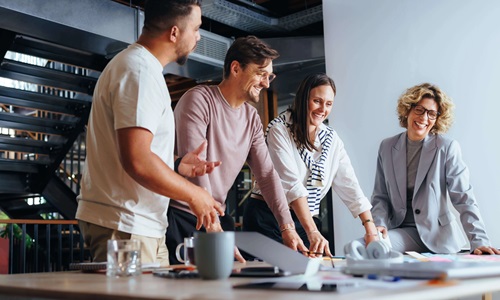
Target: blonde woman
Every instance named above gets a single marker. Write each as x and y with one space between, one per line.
417 171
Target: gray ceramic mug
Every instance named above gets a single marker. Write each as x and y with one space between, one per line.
214 254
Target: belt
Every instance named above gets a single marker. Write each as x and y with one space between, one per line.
257 196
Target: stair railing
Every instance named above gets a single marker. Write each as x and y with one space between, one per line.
42 245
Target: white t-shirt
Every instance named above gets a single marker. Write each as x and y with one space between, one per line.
131 92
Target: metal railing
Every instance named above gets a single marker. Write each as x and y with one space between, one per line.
43 245
71 167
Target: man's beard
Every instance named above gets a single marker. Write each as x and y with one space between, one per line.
182 60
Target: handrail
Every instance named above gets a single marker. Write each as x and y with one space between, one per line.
43 245
51 222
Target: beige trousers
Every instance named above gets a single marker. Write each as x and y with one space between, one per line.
96 237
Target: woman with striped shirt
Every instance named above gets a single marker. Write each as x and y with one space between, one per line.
310 158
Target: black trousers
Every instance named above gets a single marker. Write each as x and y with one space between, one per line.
258 217
182 224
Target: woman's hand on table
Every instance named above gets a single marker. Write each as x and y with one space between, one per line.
485 250
319 246
292 240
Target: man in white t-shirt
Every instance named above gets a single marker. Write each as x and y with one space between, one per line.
130 174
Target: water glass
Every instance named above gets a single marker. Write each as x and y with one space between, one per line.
124 258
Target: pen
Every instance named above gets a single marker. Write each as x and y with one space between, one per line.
325 257
309 252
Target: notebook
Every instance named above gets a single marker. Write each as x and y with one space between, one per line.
276 254
428 270
89 266
101 267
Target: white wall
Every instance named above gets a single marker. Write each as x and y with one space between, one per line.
375 49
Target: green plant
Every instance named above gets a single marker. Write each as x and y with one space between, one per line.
17 232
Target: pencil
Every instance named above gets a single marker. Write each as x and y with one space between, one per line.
333 257
309 252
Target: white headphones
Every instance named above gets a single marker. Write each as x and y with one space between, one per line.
375 250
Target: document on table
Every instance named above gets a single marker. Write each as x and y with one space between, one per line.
328 282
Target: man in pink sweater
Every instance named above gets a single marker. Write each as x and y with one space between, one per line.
221 115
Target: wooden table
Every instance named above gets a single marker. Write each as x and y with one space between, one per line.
76 285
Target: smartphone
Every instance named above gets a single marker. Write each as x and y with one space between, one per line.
290 286
178 274
259 272
312 286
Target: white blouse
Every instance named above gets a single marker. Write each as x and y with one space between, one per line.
294 173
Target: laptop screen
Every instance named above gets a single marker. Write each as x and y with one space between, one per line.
276 253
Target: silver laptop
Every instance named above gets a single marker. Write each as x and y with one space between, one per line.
428 270
276 254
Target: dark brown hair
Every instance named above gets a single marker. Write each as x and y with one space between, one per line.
299 109
161 15
246 50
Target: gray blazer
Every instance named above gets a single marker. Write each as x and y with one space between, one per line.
441 175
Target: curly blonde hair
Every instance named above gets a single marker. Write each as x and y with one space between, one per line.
426 90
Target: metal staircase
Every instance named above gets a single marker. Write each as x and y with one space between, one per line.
66 45
45 100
